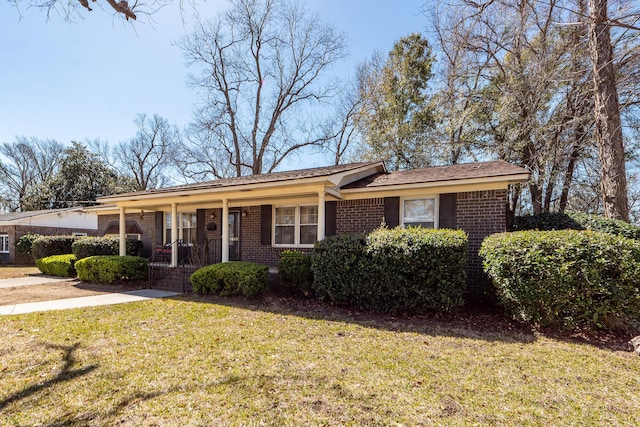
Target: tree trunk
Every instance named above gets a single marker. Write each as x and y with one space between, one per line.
607 115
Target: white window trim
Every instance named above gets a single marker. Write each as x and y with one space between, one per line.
181 228
3 237
296 238
436 208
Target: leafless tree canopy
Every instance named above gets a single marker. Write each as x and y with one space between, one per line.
71 9
149 154
259 70
25 164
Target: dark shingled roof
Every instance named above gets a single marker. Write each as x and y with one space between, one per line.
258 179
495 168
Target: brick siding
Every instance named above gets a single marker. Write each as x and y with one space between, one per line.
479 214
359 216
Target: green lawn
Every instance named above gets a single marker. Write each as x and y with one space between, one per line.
219 362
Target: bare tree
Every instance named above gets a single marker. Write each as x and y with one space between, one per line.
147 156
26 163
259 68
607 114
69 9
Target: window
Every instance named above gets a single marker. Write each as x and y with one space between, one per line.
419 213
189 221
295 225
4 243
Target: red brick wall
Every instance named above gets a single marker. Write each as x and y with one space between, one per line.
480 213
251 248
359 216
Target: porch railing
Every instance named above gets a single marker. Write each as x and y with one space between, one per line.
190 258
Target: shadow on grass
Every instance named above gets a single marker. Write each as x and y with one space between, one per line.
482 324
66 373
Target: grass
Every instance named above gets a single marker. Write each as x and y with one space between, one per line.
224 362
10 271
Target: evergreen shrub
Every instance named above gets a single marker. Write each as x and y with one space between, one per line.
411 270
25 243
231 278
566 278
58 265
294 271
92 246
46 246
576 221
112 268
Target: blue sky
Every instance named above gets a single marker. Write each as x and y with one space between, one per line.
89 79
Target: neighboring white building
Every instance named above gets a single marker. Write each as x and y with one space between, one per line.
52 222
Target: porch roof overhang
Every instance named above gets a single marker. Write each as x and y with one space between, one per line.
240 191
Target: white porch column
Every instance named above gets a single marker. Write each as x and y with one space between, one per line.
225 230
180 229
321 215
174 234
123 233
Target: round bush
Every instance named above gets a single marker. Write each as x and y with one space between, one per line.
231 278
93 246
58 265
412 270
112 268
294 271
566 278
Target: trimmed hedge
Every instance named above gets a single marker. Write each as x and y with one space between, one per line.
46 246
566 278
93 246
412 270
294 271
112 268
231 278
576 221
25 243
58 265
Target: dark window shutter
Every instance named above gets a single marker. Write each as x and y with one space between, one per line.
200 226
159 228
265 224
330 228
392 211
447 210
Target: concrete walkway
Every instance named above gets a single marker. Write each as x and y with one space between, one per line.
40 279
90 301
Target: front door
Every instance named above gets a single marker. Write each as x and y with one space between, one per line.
234 235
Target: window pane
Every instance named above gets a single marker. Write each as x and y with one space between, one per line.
286 216
308 234
419 224
308 214
4 243
418 211
285 235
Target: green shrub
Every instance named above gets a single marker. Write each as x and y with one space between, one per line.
112 268
92 246
566 278
45 246
231 278
25 243
576 221
58 265
412 270
294 271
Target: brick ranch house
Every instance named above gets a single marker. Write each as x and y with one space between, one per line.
254 218
52 222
